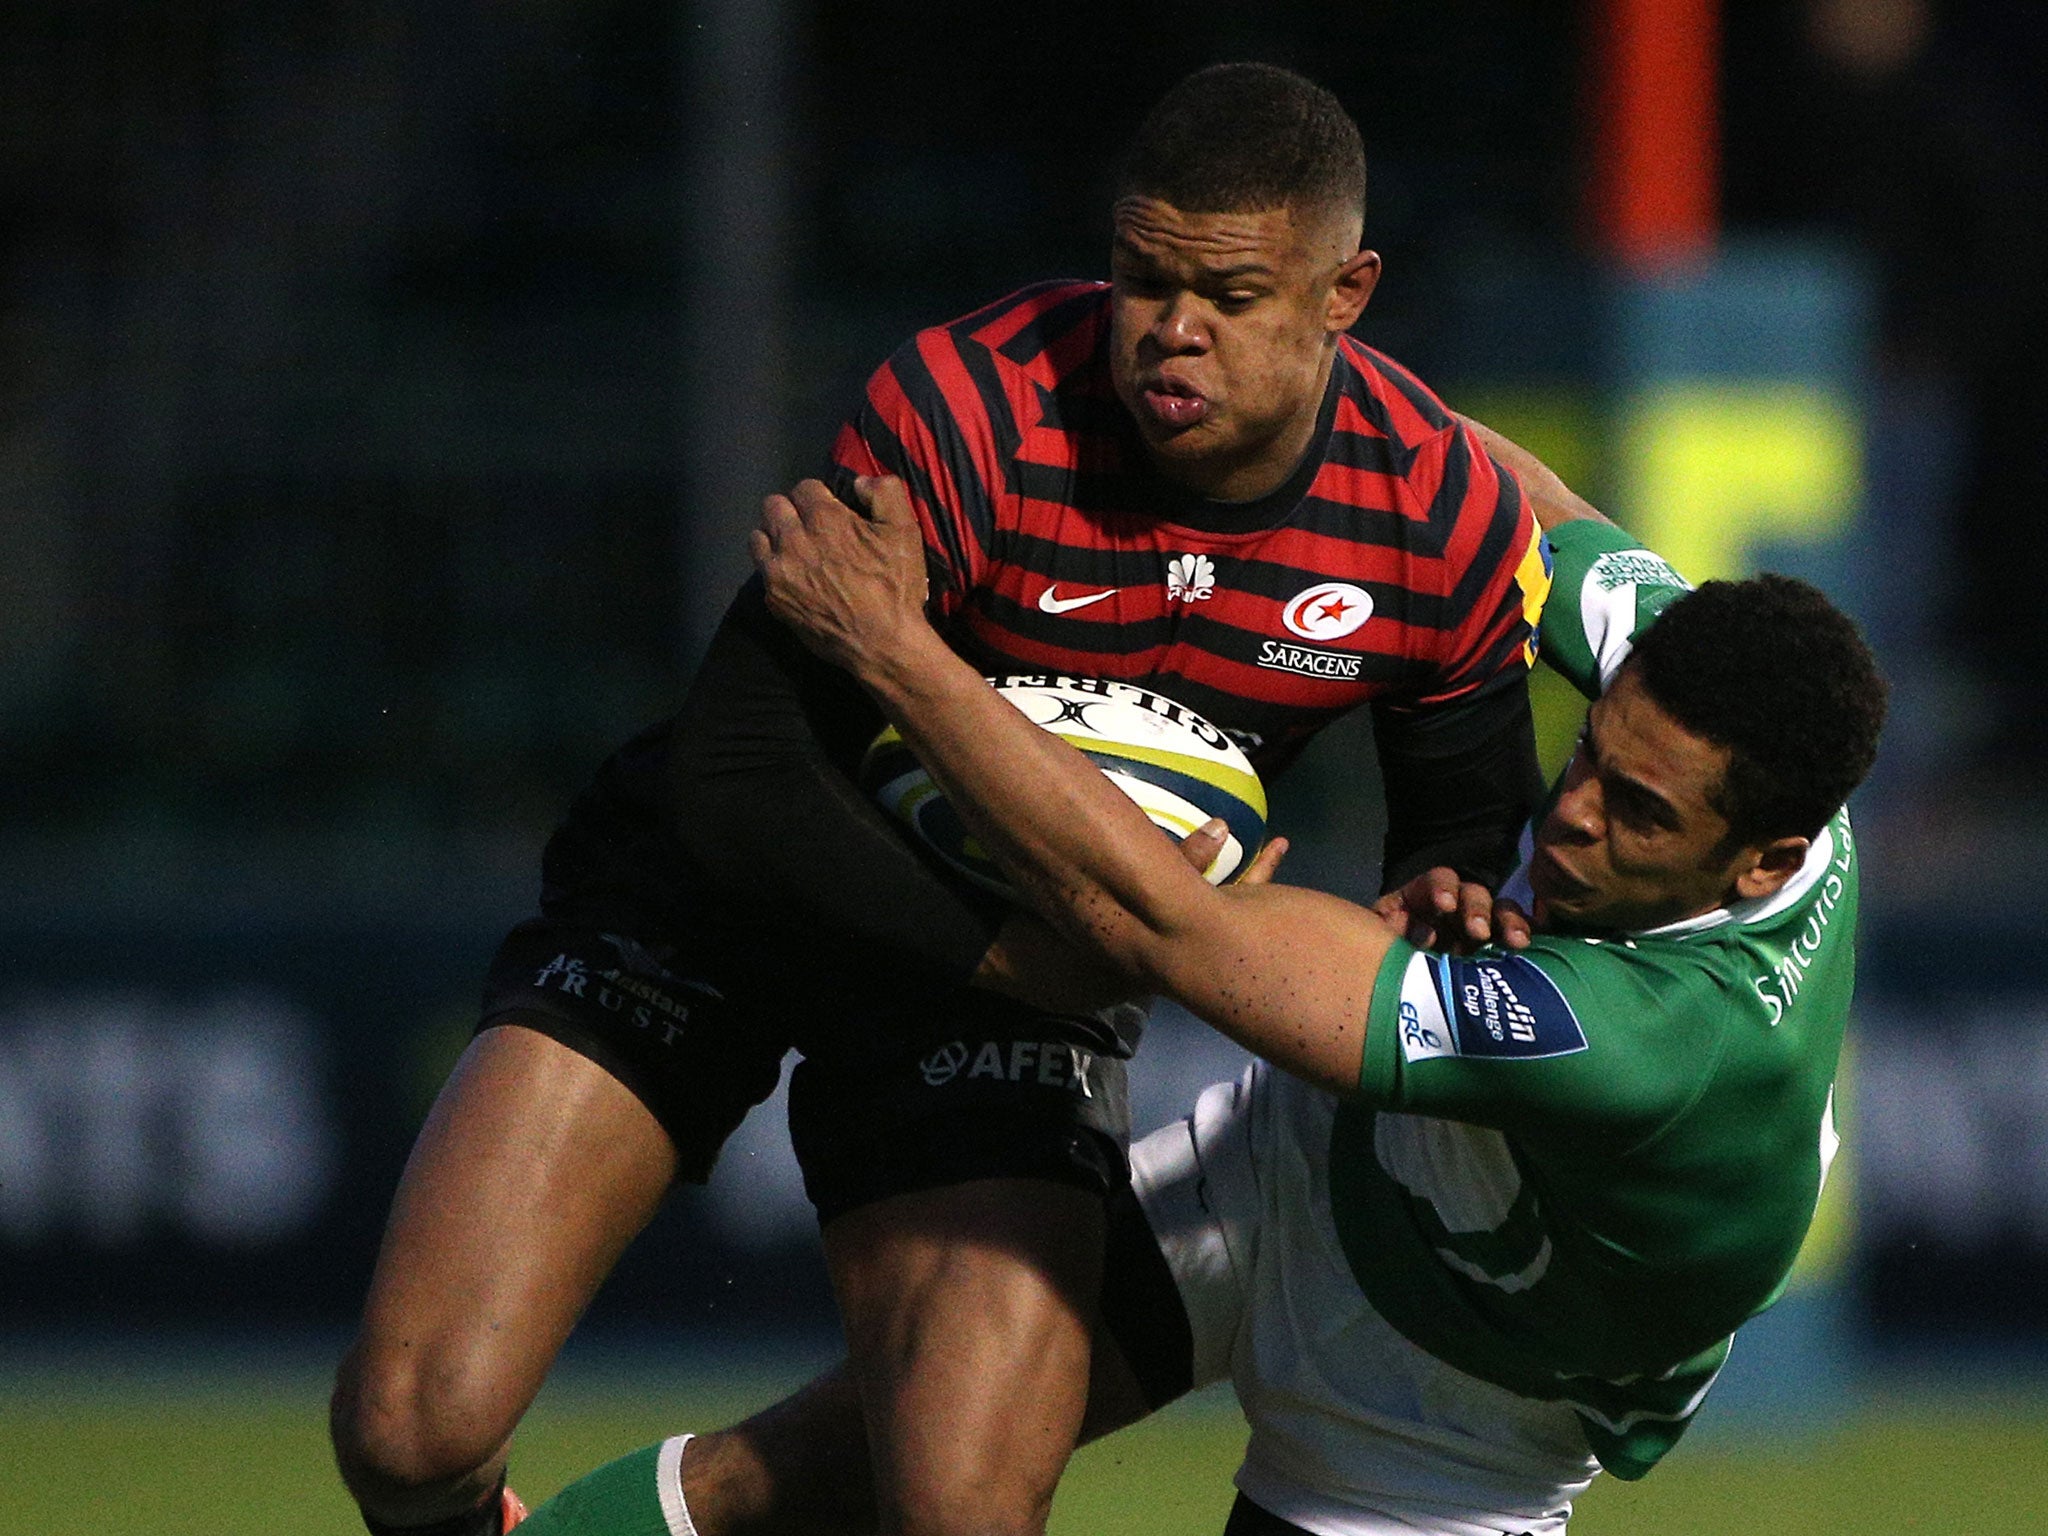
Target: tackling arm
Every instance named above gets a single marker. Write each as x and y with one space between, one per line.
1287 973
1457 748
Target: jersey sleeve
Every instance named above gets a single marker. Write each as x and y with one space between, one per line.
763 804
936 416
1605 588
1454 796
1460 780
1495 564
1588 1033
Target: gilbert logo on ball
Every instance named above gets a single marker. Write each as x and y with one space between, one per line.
1178 768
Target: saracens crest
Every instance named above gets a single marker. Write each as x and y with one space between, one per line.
1329 610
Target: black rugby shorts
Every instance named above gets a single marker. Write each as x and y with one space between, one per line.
970 1086
653 1015
636 965
890 1096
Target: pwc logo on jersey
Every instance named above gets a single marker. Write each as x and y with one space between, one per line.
1492 1005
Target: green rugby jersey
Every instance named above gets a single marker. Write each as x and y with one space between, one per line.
1575 1169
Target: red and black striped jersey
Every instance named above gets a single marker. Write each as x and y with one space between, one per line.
1398 565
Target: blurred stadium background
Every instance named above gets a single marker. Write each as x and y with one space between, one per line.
385 389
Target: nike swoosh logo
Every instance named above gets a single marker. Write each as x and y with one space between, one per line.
1049 601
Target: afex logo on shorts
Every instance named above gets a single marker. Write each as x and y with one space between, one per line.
1050 1063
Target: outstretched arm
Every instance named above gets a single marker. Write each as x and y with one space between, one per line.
1287 973
1550 498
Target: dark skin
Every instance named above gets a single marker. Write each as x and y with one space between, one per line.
1636 839
503 1227
1223 332
972 1309
969 1311
1224 329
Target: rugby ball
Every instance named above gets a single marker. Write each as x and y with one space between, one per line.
1176 766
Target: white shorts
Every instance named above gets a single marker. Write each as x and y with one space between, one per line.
1354 1431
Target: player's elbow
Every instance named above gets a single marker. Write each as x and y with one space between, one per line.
1156 937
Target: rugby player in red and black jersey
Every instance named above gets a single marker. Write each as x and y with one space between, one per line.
1190 478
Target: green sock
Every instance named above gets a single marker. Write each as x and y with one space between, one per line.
637 1495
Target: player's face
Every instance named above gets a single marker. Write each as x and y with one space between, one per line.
1223 331
1635 839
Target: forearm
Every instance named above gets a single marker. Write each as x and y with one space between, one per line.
1287 973
1550 498
1461 781
1284 972
1079 851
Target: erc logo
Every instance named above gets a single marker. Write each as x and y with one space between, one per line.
1416 1035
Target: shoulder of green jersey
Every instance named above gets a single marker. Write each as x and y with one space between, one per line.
1606 587
1622 591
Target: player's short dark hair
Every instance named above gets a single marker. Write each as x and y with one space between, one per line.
1242 138
1774 672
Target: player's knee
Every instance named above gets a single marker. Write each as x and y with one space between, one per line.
414 1422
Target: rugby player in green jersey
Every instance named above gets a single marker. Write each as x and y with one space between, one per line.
1476 1225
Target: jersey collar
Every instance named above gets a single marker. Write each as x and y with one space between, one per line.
1819 855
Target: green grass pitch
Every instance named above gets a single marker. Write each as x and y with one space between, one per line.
212 1453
